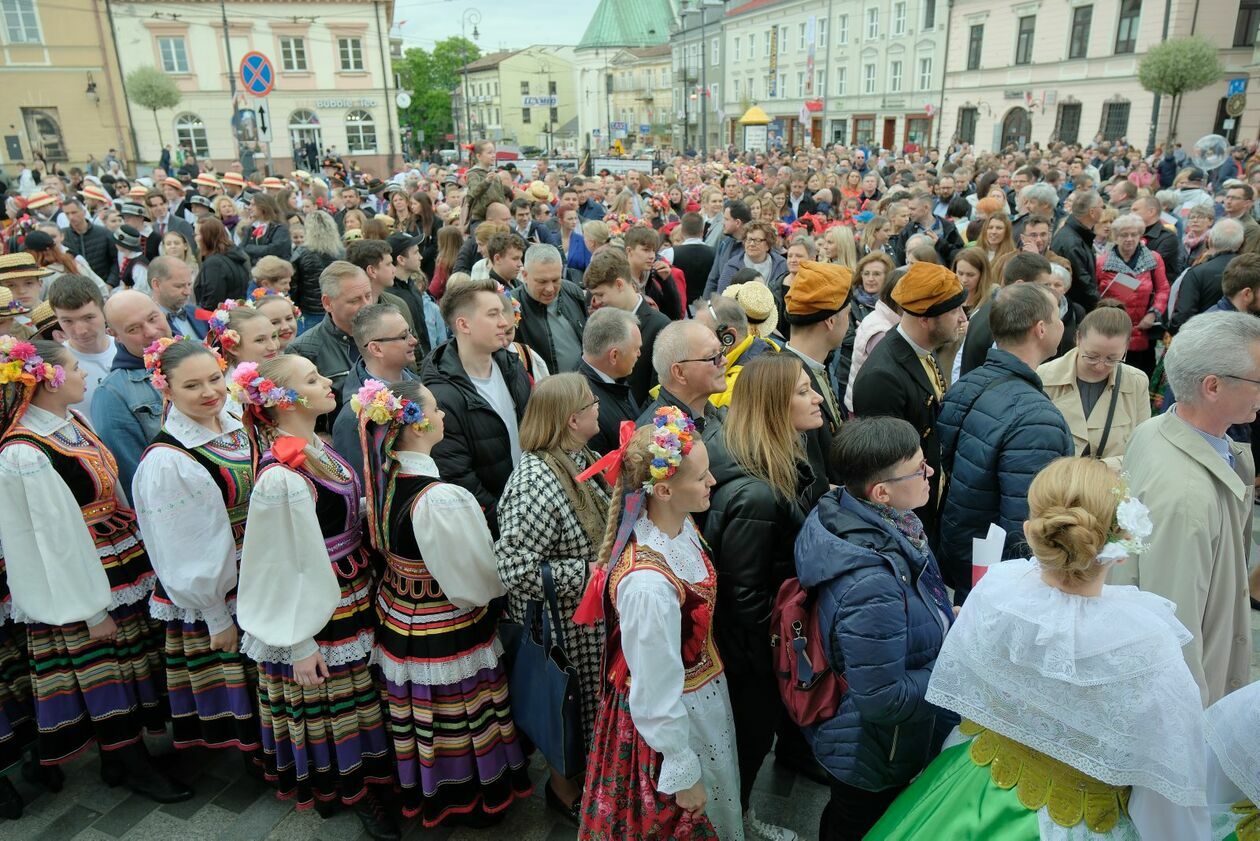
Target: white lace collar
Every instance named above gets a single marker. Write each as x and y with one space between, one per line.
1097 682
43 422
416 464
681 552
1232 728
191 434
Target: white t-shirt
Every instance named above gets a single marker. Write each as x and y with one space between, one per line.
97 367
495 392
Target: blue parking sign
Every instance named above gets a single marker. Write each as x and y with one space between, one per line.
1237 86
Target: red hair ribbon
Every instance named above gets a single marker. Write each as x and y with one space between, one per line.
610 464
289 450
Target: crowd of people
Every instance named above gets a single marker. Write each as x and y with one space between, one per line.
930 475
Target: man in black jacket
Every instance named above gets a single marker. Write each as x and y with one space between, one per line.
611 344
945 237
553 310
608 280
734 218
1159 238
800 202
902 377
1075 243
693 257
1201 287
1023 267
91 242
483 389
344 290
409 284
468 254
165 220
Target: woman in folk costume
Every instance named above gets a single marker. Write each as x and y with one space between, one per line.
663 763
17 709
191 492
1081 719
95 655
460 761
1232 729
304 602
548 517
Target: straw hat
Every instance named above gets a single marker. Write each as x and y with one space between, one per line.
233 179
10 306
42 317
272 183
206 180
95 194
173 182
757 301
39 198
538 191
138 192
21 264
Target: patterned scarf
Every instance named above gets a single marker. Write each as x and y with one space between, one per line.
911 528
589 500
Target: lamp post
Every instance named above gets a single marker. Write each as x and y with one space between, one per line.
700 8
472 16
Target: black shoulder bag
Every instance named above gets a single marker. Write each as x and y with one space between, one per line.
1111 414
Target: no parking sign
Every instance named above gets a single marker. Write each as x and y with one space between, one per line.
257 74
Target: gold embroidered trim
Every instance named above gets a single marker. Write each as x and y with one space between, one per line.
1069 796
1248 826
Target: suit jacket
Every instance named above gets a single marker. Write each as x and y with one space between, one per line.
616 404
695 260
643 377
715 234
893 382
806 205
175 223
199 328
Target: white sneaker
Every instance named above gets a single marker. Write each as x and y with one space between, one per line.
762 831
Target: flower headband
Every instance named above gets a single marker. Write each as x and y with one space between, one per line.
19 363
671 440
1130 530
380 405
218 325
260 294
153 359
512 299
250 389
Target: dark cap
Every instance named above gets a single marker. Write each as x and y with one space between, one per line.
1196 174
128 237
38 241
400 242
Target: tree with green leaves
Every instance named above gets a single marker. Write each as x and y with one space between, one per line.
150 88
1177 67
430 77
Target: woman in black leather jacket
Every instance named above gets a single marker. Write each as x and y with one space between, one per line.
759 504
322 246
265 231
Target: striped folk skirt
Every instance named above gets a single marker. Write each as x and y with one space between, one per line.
17 708
450 719
326 742
96 691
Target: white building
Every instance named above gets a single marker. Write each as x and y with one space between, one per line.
1037 71
333 83
852 71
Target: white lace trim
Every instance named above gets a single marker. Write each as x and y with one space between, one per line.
121 597
681 552
168 612
438 674
1232 729
1098 683
358 649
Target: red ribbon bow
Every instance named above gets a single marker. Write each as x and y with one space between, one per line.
289 451
610 464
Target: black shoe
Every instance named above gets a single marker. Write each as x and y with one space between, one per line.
113 772
10 801
571 814
147 780
327 808
48 777
377 821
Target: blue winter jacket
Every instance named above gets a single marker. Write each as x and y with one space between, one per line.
884 631
127 413
1012 431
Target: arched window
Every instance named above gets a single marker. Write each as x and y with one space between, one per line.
360 133
191 131
303 129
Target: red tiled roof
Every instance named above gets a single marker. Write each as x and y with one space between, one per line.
751 6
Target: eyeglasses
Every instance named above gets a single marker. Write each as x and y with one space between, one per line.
1244 379
1095 359
921 473
404 337
716 360
755 241
594 402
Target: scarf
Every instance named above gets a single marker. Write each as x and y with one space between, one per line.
868 299
1191 242
1141 262
911 528
588 500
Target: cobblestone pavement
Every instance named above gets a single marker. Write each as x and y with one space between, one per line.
232 806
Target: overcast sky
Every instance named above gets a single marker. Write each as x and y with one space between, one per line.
505 24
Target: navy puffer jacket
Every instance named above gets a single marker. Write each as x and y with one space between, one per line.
884 631
1012 432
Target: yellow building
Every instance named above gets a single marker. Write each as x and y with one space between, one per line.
642 105
520 97
62 92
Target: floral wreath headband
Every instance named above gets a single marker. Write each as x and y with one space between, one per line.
512 299
218 325
378 404
250 389
153 359
260 294
1130 530
19 363
672 437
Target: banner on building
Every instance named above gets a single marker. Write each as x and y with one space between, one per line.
811 30
772 86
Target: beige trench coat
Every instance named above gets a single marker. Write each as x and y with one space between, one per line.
1201 510
1058 379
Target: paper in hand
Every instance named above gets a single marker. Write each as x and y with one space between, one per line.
986 551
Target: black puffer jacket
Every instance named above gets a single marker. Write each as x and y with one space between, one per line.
97 247
1074 242
475 452
222 276
307 267
751 531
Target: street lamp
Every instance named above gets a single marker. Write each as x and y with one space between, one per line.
700 8
472 16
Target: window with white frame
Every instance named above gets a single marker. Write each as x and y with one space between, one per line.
822 32
820 83
925 74
752 88
868 79
894 77
782 40
800 85
737 43
752 45
872 24
715 55
842 81
174 53
899 18
293 54
735 89
842 30
766 43
361 132
21 22
351 50
190 131
783 86
802 36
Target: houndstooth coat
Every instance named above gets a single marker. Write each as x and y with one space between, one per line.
536 524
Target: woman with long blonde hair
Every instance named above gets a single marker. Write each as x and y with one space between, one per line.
842 247
759 505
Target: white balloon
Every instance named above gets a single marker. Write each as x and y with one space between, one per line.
1209 152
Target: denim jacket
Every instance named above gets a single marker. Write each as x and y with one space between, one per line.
127 415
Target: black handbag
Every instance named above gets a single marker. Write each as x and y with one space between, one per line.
544 684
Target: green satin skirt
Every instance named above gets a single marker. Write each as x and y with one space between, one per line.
954 798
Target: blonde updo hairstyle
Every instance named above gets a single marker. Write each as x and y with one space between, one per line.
1071 508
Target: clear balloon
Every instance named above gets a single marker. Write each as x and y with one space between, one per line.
1209 152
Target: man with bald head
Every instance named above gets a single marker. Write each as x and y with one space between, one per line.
126 408
495 212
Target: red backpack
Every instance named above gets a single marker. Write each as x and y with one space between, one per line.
810 689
